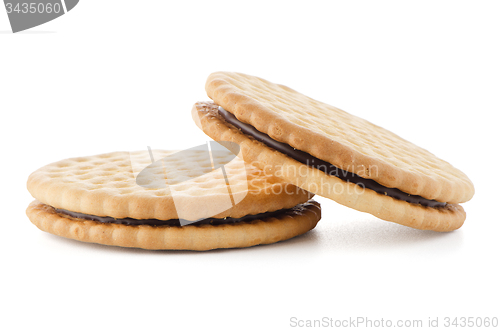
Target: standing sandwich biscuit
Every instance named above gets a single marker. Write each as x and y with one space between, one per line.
334 154
182 200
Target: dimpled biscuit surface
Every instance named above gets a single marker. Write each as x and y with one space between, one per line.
344 140
105 185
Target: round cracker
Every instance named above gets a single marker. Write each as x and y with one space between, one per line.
344 140
269 230
105 185
316 181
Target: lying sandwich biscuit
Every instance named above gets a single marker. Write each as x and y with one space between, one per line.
334 154
181 201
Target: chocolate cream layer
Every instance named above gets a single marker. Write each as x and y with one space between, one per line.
176 222
324 166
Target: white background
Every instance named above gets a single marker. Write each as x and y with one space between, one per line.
123 75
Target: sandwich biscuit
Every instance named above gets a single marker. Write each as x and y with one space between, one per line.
182 201
332 153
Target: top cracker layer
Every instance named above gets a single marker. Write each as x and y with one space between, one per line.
105 185
346 141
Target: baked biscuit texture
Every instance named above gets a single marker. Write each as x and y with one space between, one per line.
298 220
351 195
342 139
105 185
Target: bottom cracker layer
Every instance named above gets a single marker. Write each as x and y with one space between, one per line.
443 219
193 237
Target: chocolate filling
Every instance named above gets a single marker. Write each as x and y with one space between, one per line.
176 222
324 166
